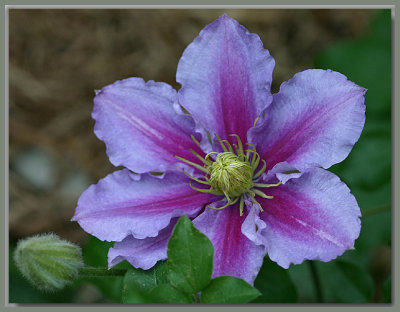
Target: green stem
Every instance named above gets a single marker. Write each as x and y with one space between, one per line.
376 210
317 282
197 298
88 271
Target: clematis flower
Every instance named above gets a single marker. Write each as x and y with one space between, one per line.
247 166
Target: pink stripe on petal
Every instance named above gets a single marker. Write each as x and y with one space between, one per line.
121 204
141 125
234 253
314 120
226 76
312 217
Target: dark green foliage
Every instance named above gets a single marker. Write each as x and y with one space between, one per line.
139 283
166 293
185 275
387 290
228 289
359 285
275 284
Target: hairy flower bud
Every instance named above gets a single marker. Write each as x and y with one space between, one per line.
47 261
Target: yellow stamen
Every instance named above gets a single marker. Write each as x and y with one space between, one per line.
231 174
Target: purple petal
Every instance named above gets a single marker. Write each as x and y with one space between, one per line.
314 120
124 204
142 253
253 225
312 217
226 76
234 253
141 125
283 171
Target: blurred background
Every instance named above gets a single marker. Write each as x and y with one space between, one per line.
57 58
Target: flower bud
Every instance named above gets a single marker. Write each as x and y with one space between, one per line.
47 261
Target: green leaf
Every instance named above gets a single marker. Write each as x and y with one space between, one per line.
373 151
358 278
228 289
275 284
167 293
387 290
302 279
137 283
345 282
381 26
95 252
190 257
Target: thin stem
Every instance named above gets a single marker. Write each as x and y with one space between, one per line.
239 150
261 194
210 190
376 210
195 179
196 298
316 280
192 164
205 161
267 185
195 141
229 145
224 206
210 153
88 271
221 143
241 205
260 172
255 161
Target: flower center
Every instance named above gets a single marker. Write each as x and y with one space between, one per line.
230 175
233 173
